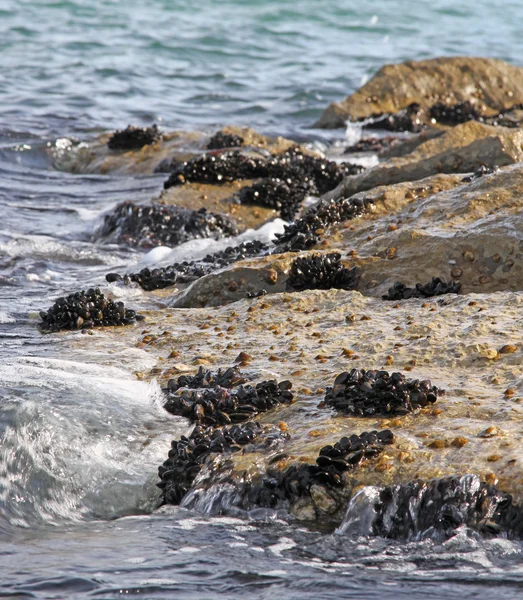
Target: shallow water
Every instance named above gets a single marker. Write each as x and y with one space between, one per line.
81 437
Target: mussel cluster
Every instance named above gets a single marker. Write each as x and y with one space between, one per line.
205 378
188 271
222 406
295 482
443 505
162 225
453 114
283 195
133 138
215 169
221 140
85 310
480 172
187 455
367 393
305 232
436 287
407 119
372 144
292 164
321 272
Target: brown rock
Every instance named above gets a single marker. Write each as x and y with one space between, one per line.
495 84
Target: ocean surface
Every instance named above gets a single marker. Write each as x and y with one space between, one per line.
80 437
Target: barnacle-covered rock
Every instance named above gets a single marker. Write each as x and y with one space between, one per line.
85 310
436 287
188 271
222 139
367 393
160 225
321 272
133 138
221 406
407 119
188 455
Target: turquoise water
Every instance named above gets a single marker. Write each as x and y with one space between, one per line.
77 481
71 66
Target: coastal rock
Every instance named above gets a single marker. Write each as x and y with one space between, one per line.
493 85
463 149
310 336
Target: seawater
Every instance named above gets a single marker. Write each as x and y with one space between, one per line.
81 437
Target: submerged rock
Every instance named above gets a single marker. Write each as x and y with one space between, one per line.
85 310
436 287
367 393
494 84
159 225
133 138
321 272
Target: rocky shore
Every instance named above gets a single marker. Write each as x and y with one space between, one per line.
369 358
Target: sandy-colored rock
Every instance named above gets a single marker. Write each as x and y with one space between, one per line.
494 84
218 199
462 149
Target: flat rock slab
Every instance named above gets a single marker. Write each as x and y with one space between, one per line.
494 84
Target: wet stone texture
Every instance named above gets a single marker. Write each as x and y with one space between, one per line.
156 225
441 506
85 310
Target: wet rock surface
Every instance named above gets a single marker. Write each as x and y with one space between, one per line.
423 508
436 287
494 84
133 138
188 455
85 310
366 393
321 272
157 225
288 486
